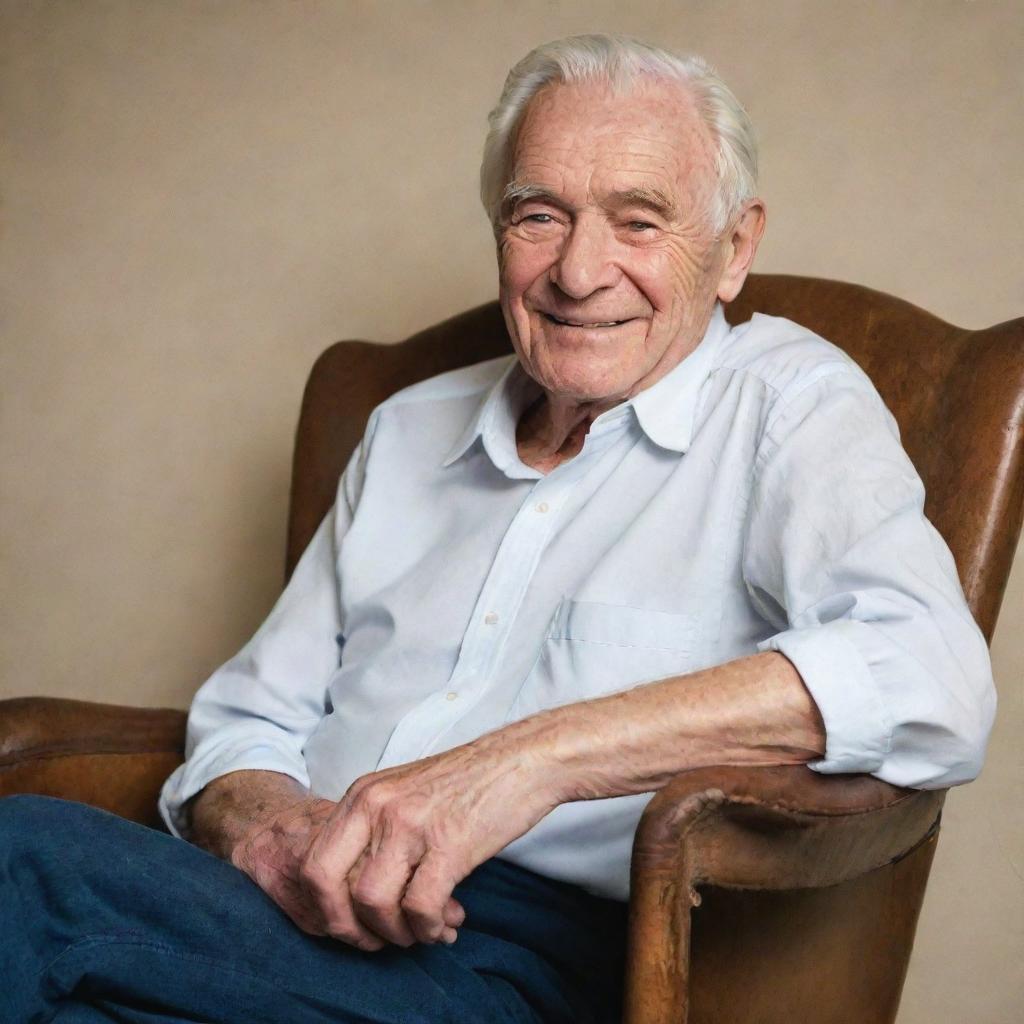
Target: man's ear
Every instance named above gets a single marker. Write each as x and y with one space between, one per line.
740 249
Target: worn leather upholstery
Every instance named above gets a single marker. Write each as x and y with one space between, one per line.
767 895
101 754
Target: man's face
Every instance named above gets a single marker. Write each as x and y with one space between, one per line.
609 268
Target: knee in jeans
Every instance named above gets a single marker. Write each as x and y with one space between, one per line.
28 821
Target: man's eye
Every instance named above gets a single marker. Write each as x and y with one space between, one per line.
640 226
539 218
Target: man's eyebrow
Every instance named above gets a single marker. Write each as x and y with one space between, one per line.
520 191
652 199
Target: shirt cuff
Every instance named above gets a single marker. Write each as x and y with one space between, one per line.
197 773
858 733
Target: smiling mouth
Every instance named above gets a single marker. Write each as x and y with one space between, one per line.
581 323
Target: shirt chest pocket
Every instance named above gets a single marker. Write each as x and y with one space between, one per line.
593 649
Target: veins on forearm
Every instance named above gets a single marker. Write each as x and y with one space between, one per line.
753 711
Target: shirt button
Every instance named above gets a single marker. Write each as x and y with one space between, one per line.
491 618
450 695
542 507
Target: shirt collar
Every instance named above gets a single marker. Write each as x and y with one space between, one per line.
665 411
497 416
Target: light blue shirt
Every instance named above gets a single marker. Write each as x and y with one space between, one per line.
756 498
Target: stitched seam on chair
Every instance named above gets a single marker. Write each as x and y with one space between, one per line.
932 833
54 754
713 800
753 801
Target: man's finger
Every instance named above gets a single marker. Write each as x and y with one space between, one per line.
324 875
288 895
426 899
454 913
377 888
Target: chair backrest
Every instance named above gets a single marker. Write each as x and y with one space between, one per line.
958 396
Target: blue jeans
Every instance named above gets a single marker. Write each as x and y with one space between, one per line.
104 920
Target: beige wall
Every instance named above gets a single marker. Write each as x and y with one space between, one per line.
199 197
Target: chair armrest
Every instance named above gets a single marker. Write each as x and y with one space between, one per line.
101 754
751 828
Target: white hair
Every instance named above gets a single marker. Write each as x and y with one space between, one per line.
621 61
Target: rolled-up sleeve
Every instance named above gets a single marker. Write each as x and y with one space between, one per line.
258 710
838 550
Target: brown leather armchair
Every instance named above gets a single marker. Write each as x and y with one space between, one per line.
767 895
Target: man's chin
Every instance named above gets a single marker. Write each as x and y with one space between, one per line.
569 384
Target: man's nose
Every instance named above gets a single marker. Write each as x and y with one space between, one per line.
585 263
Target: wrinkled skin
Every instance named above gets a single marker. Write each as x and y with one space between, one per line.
380 865
608 226
610 223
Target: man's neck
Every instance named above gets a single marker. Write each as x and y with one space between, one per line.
552 431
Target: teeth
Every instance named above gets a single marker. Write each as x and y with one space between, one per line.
575 323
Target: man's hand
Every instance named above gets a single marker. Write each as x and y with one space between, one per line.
386 858
379 865
271 853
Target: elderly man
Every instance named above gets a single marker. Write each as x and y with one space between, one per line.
647 542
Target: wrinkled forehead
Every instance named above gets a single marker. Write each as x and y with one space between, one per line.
591 136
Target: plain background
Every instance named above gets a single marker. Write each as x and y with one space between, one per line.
198 197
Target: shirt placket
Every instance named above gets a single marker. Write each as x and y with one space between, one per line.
489 626
496 608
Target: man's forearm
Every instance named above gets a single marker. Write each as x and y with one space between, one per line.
229 806
752 711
